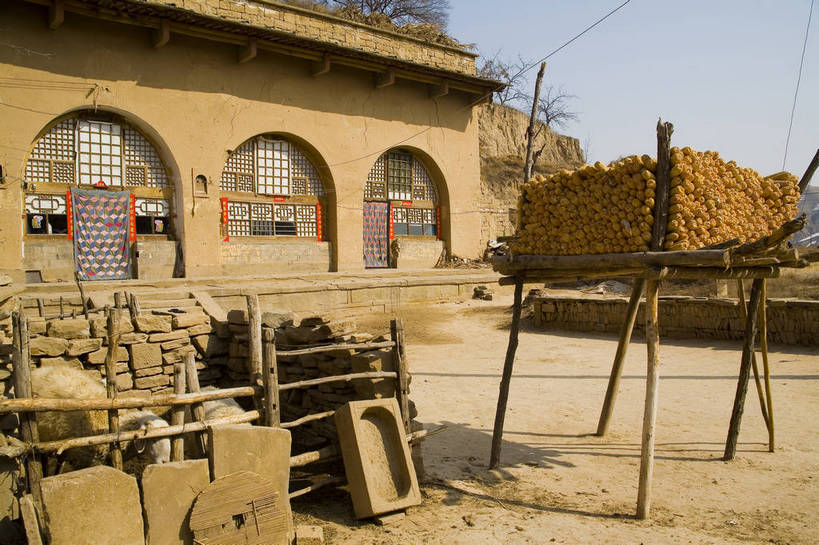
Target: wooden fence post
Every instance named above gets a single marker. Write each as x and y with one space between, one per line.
650 410
254 329
763 342
178 415
506 378
111 381
22 388
270 380
197 409
400 364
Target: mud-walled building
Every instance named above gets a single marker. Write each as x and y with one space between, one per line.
208 138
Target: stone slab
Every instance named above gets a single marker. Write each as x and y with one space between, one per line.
155 381
77 347
168 492
309 534
61 360
177 343
145 355
97 357
200 329
99 326
170 336
210 345
154 323
133 338
188 319
98 505
258 449
73 328
47 346
376 457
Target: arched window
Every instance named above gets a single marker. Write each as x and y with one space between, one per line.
94 150
400 199
273 189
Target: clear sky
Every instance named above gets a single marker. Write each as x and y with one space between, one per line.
723 71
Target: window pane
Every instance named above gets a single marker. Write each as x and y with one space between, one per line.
430 230
36 224
400 229
399 184
144 225
58 224
415 230
286 228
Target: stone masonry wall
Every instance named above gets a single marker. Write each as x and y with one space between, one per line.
325 28
789 321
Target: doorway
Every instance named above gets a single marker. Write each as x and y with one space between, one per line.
100 230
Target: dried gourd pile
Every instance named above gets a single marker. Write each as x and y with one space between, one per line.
610 209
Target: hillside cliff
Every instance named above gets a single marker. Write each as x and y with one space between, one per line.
503 151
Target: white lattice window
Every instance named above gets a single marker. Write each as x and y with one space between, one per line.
305 178
100 153
239 169
152 216
272 167
414 221
239 222
400 176
52 159
422 187
142 163
272 219
45 215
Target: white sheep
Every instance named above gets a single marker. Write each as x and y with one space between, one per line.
64 382
220 408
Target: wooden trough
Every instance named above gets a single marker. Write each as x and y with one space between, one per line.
758 261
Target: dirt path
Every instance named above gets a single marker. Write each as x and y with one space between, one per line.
558 483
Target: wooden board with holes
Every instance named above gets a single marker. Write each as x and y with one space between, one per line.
242 508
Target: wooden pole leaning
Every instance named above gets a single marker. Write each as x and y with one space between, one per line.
620 356
650 412
22 389
503 394
763 342
400 365
270 380
112 316
743 309
197 409
178 414
744 371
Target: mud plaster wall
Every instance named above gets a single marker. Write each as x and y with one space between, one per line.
195 101
414 253
259 258
789 321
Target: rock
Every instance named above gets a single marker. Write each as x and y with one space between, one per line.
97 357
148 371
313 321
119 367
61 360
77 347
178 343
210 345
156 381
133 338
169 358
168 492
188 319
374 360
98 505
99 326
308 534
36 326
145 355
47 346
151 323
5 280
201 329
73 328
124 381
277 318
237 316
170 336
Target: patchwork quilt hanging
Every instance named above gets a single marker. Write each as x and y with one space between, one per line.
101 226
376 234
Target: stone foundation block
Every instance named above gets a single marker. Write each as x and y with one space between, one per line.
98 505
145 355
307 534
47 346
162 337
97 357
61 360
73 328
154 323
99 326
77 347
155 381
181 321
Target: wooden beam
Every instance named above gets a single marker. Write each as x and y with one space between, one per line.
112 330
56 14
664 132
321 67
814 164
440 90
248 51
385 80
503 395
650 411
162 35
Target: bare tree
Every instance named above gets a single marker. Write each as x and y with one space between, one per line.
553 107
509 72
402 12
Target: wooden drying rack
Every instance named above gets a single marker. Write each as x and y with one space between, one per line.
758 261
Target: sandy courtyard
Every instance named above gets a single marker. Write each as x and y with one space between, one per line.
559 483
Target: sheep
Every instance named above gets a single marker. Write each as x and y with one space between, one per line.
65 382
221 408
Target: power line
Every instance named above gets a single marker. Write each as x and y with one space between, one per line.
798 81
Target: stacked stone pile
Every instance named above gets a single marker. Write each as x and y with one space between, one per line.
149 346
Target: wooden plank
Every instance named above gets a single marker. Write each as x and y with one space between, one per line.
744 372
650 411
111 382
31 520
664 132
339 346
595 262
503 394
336 378
620 356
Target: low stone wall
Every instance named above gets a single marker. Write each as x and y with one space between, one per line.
154 259
789 321
58 254
243 258
416 253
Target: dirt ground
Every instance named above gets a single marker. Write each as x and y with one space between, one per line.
559 483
